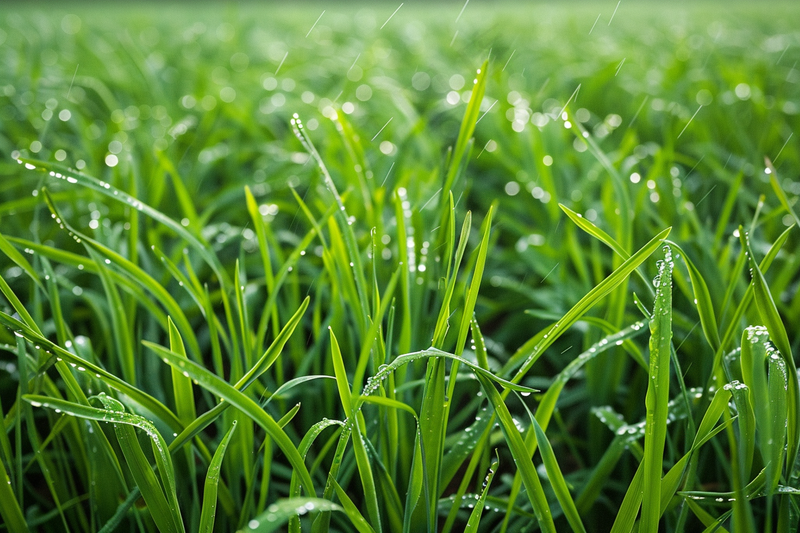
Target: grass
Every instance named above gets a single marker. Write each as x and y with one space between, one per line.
263 273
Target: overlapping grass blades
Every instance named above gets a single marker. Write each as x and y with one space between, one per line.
337 290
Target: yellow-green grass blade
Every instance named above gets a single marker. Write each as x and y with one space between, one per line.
442 323
629 509
467 128
657 397
209 510
590 228
530 478
371 337
475 515
588 301
340 372
245 404
474 287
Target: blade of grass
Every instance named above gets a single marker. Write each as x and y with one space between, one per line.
209 510
230 394
657 396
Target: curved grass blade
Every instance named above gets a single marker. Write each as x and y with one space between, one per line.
351 510
705 308
519 451
588 301
281 511
208 513
138 396
162 501
230 394
63 172
603 237
475 516
12 253
10 511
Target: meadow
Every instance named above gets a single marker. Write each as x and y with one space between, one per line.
482 266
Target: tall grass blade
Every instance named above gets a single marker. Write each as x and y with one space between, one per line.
209 510
657 396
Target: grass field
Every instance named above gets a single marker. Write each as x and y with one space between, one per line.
454 267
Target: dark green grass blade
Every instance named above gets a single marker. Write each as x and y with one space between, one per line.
208 513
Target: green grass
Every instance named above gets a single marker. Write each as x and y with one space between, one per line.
263 273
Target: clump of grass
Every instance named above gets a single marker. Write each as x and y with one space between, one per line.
426 306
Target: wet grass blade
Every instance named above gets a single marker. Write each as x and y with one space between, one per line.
657 397
475 515
588 301
777 332
9 506
530 478
209 510
230 394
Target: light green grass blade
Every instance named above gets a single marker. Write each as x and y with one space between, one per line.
603 237
209 510
777 332
442 322
12 253
705 308
588 301
227 392
475 515
181 385
519 451
352 512
557 480
657 396
161 499
629 509
467 127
